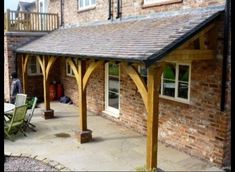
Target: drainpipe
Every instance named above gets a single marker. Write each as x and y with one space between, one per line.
225 54
119 9
110 10
62 12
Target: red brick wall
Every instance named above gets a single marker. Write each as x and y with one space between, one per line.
11 41
129 8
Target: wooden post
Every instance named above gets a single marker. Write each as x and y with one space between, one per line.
24 72
82 95
46 65
154 78
82 76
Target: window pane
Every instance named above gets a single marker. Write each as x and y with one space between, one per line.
183 90
86 2
169 71
169 88
113 85
183 73
33 68
81 3
113 100
92 2
113 69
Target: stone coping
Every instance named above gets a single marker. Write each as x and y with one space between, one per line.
52 163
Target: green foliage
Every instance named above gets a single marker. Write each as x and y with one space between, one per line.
29 102
113 70
168 73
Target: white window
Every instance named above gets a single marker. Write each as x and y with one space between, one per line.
112 89
69 71
84 4
175 81
160 2
34 67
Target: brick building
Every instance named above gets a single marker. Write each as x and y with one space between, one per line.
187 35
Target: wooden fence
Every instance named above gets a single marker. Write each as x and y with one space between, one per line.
20 21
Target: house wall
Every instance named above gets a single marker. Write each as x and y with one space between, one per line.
129 8
198 128
12 40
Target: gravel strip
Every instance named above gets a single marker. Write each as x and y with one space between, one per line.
25 164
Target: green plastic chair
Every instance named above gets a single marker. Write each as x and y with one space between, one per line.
15 124
20 100
27 121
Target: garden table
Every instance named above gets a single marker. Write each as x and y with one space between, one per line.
8 107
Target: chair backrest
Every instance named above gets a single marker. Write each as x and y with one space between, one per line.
32 109
18 116
20 99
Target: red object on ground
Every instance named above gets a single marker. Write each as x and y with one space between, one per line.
52 90
59 90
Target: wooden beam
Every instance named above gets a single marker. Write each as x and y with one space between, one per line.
139 82
154 79
190 55
24 72
204 31
89 71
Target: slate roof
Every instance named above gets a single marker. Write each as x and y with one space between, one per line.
145 39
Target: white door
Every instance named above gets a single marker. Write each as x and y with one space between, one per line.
112 89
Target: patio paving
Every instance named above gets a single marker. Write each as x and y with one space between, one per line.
114 147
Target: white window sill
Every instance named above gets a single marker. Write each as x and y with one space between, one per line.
167 2
110 113
70 75
175 99
86 8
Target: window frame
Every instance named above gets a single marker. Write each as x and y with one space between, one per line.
90 6
108 109
175 98
177 64
38 68
71 74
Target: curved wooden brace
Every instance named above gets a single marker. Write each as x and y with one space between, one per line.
139 82
25 62
49 65
40 61
24 72
89 71
74 68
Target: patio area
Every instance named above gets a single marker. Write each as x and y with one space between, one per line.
113 148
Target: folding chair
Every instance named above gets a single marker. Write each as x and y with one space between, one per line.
29 116
20 100
15 124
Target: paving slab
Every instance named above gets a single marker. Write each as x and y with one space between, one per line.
114 147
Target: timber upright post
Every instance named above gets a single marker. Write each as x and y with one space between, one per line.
84 135
46 64
154 78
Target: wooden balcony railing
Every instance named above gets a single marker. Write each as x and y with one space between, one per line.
30 21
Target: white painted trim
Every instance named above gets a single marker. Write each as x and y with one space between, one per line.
111 110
